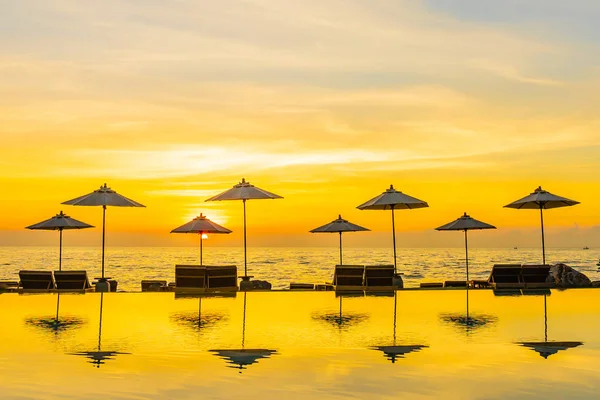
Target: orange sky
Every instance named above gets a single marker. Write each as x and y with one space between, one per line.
326 104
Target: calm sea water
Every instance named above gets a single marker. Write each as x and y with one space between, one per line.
280 266
301 345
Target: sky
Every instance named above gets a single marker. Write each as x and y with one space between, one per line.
468 105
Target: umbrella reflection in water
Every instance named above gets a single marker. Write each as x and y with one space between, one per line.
56 324
199 321
241 358
99 356
546 348
395 351
343 320
469 321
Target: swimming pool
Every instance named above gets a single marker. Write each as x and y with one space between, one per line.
297 345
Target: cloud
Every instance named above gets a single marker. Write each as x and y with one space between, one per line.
511 73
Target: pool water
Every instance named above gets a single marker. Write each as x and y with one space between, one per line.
298 345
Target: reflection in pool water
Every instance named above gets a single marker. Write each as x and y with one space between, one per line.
285 350
55 324
547 348
98 357
241 358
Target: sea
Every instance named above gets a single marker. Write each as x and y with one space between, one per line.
280 266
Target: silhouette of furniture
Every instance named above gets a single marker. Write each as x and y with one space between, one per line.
36 280
535 276
154 285
379 277
190 278
222 277
72 281
349 277
506 276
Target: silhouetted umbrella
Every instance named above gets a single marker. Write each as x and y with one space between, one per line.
104 196
541 199
98 357
244 191
546 348
465 223
391 199
394 351
58 223
201 225
339 226
241 358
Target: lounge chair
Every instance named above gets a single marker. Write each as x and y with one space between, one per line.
302 286
379 277
221 277
349 277
153 285
460 284
190 278
534 276
72 280
427 285
506 276
36 280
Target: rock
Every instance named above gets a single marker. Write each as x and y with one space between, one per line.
566 277
596 284
260 285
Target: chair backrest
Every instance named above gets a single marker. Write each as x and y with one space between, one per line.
349 275
71 280
379 275
221 276
190 276
302 286
535 273
37 280
506 273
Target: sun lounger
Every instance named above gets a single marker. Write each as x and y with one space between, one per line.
506 276
72 280
190 277
36 280
535 276
379 277
153 285
324 287
427 285
302 286
349 277
9 285
221 277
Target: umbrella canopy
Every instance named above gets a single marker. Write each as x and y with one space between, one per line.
465 223
244 191
201 225
392 199
541 199
339 225
59 222
104 196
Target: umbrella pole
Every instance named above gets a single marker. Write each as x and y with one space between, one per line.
543 244
545 321
467 257
341 263
60 250
200 248
394 239
100 325
57 305
244 322
245 257
103 236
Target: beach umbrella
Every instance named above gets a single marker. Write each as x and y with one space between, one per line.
465 223
201 225
244 191
59 222
392 199
339 226
241 358
542 200
104 196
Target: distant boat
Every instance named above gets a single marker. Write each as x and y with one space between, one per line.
515 248
586 248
